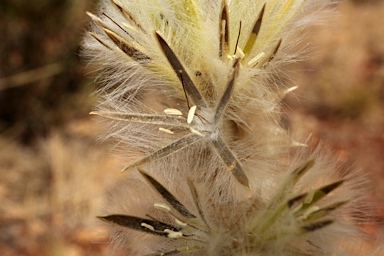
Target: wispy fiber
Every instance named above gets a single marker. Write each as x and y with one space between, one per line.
192 94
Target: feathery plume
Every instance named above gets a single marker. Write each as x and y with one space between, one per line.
192 94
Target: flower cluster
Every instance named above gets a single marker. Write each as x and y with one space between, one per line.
192 91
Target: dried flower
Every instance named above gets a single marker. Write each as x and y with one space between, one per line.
192 91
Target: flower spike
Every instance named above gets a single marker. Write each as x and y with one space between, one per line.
192 94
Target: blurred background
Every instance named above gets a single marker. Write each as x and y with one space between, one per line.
54 174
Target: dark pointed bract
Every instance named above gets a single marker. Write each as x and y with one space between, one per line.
140 224
167 196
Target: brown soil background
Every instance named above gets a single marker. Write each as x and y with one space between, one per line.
54 174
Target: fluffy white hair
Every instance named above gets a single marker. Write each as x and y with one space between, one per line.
192 93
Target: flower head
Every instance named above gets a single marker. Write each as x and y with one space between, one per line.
195 76
298 218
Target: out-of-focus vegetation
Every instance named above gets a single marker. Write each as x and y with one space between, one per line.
346 74
42 81
54 174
